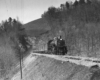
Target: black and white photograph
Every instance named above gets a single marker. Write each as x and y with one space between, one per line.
50 40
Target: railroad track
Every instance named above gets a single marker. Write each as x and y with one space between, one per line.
86 61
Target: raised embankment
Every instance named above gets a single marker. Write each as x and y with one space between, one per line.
55 68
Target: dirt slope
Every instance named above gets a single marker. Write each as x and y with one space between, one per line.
49 69
44 68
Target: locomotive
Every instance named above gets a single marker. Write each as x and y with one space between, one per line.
57 46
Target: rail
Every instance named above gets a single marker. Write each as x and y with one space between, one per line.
86 61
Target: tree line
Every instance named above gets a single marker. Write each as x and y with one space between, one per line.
80 23
14 33
13 43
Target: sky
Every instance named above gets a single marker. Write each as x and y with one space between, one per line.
26 10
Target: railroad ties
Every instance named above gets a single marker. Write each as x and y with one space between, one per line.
86 61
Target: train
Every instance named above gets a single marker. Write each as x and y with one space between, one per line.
57 46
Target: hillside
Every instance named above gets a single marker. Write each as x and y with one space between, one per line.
45 68
36 27
49 69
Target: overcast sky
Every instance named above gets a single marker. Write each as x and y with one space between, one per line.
26 10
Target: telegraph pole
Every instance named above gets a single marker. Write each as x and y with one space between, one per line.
21 65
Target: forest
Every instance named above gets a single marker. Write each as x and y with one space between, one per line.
79 24
13 43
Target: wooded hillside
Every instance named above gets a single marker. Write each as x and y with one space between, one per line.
79 24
